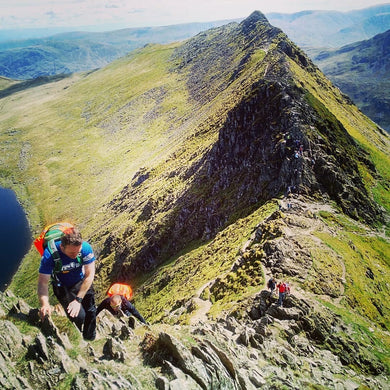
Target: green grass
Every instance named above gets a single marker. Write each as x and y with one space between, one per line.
185 274
363 255
55 126
66 383
325 276
371 337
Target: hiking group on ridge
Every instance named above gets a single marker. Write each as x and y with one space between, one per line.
69 263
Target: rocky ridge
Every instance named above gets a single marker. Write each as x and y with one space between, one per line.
275 135
228 354
257 344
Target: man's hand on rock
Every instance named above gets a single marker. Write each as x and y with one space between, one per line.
73 308
44 311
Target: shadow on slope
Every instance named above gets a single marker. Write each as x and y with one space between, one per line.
255 159
21 86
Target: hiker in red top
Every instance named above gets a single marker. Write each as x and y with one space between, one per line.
283 290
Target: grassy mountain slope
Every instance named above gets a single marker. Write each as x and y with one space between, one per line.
361 70
175 161
55 58
82 51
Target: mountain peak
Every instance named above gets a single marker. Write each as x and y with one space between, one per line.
256 16
257 28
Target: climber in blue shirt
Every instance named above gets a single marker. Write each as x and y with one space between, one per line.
71 265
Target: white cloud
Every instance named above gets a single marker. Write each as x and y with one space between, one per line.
133 13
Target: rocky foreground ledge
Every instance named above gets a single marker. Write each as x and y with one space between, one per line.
270 347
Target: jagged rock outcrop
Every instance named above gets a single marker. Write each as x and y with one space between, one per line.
258 345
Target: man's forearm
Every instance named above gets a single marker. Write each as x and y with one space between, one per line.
43 294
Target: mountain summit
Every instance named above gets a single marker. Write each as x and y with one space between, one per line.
200 169
254 20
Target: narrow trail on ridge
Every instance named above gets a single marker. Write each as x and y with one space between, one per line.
301 208
300 220
203 306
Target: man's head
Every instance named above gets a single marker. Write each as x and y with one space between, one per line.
71 243
115 302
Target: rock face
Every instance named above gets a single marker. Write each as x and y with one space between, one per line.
261 345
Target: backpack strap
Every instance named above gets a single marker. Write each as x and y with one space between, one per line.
51 245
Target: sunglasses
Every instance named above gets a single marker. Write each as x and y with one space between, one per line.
115 306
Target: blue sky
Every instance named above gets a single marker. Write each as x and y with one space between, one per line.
140 13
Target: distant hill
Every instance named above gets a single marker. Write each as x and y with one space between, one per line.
55 57
362 71
79 51
6 83
17 34
332 28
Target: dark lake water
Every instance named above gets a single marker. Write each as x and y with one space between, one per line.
15 236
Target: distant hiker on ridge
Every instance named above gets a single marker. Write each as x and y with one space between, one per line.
271 285
283 290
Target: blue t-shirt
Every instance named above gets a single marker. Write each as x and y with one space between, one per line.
71 271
